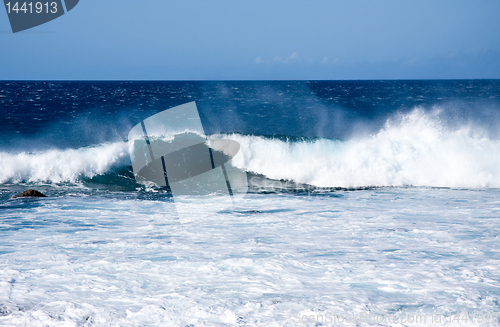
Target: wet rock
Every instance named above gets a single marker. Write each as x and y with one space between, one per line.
30 194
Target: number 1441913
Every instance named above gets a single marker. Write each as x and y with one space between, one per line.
31 7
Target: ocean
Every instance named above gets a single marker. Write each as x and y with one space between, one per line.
368 203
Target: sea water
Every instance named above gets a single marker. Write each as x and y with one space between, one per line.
369 203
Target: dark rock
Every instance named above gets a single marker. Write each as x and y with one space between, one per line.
30 194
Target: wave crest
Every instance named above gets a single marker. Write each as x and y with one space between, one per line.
58 166
413 150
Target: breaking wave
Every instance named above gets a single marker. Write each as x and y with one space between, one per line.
62 165
415 149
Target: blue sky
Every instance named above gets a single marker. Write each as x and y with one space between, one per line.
257 39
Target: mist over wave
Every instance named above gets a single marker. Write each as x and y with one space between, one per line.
414 149
58 166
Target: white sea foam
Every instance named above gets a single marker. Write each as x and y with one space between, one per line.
413 150
90 261
62 165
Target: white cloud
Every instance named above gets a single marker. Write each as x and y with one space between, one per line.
296 59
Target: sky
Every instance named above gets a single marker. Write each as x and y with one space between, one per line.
258 40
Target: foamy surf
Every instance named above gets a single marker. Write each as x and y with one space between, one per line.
58 166
104 251
415 149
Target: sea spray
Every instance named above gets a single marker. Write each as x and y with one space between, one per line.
62 165
414 150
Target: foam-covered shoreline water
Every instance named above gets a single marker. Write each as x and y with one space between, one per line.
329 225
87 261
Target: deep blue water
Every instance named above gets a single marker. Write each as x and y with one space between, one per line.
70 114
